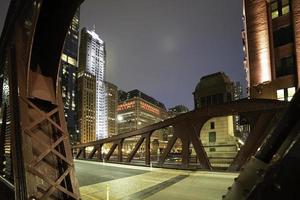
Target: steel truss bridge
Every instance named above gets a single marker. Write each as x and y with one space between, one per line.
36 160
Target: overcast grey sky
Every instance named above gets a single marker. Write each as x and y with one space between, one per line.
163 47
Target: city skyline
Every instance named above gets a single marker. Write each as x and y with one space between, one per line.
164 48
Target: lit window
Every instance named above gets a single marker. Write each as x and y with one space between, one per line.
64 57
275 14
285 10
291 92
280 94
279 8
274 8
286 94
72 61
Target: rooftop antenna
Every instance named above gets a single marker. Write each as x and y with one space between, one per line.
94 28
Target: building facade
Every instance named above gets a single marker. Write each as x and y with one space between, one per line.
87 107
217 134
68 74
92 67
271 40
137 110
112 104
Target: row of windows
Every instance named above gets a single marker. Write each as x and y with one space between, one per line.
279 8
286 94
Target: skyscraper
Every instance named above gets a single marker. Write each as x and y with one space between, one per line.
112 104
272 48
92 66
68 76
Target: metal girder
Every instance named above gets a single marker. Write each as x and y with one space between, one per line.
232 108
31 45
187 128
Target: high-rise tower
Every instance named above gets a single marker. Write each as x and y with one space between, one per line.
272 48
92 72
69 66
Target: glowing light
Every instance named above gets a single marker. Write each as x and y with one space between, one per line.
149 108
120 118
126 106
265 69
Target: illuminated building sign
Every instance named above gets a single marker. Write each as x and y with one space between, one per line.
149 108
126 106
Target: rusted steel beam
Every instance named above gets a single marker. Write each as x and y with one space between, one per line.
232 108
33 55
120 150
92 153
99 152
136 148
79 153
257 135
111 151
200 152
167 150
147 149
84 153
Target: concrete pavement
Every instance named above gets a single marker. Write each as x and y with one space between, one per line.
115 182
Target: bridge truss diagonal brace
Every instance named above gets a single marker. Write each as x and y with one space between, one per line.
136 148
260 129
188 134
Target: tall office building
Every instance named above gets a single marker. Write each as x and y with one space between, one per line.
112 104
68 76
272 48
87 107
92 68
136 110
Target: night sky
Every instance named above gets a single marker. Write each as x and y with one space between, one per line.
163 47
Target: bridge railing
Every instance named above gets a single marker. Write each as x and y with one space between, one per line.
260 114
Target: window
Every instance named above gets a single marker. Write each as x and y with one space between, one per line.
280 94
279 8
286 66
212 125
212 137
290 93
286 94
212 149
283 36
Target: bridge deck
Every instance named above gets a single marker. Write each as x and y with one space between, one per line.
132 182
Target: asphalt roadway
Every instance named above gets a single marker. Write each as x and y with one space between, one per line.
115 182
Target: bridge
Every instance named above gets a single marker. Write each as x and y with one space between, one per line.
36 161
